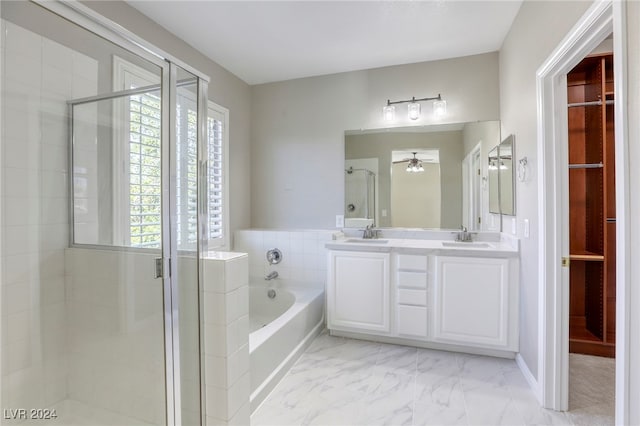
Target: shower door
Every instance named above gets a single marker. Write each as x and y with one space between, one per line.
100 226
153 124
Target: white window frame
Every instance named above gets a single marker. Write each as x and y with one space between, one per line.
222 113
123 73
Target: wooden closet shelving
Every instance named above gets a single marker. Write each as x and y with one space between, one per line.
592 207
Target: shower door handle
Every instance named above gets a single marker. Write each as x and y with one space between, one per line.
159 267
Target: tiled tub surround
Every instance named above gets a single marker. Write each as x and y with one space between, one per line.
302 273
304 259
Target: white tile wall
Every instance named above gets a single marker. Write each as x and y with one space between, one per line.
304 257
226 338
36 82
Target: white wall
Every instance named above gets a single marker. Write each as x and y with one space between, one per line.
297 128
536 31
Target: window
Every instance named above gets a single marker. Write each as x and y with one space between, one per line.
138 189
144 186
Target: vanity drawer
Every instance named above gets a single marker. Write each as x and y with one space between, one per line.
412 321
412 262
412 279
412 297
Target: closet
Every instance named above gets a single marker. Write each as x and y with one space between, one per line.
592 229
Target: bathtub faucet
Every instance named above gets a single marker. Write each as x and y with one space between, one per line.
272 275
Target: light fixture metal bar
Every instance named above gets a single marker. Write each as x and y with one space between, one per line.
413 99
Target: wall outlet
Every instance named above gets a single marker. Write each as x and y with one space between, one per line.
514 226
339 221
526 228
384 212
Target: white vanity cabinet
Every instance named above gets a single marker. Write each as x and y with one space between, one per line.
425 293
358 292
473 302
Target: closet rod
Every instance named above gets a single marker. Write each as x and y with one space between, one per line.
590 103
586 166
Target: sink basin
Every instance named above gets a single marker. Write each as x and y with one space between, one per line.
462 244
366 241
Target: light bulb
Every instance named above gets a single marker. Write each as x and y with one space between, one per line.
389 113
414 110
439 108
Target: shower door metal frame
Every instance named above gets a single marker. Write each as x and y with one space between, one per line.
97 24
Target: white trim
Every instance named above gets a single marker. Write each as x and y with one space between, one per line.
623 225
91 20
224 243
528 376
596 24
2 142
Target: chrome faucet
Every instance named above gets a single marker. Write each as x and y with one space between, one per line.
464 235
369 232
272 275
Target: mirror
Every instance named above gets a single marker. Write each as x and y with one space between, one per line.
501 178
446 191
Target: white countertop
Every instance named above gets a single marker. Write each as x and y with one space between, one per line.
502 248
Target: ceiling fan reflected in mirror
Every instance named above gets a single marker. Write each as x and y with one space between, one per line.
415 163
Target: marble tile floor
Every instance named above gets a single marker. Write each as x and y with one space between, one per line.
340 381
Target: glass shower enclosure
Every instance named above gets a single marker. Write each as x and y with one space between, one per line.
103 208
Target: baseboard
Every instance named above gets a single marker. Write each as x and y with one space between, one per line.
533 383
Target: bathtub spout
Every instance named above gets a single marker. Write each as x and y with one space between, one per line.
272 275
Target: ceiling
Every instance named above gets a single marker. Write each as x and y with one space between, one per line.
267 41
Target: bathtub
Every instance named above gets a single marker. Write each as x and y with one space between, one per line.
281 329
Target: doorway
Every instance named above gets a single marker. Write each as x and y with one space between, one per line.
553 362
592 239
472 189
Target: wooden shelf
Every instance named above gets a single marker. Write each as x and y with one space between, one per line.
587 257
591 203
586 166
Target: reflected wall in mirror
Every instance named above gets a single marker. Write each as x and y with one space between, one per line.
501 178
444 194
415 189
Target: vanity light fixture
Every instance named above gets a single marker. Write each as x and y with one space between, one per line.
414 110
439 107
389 113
